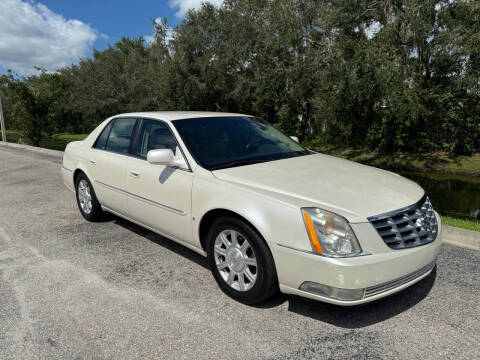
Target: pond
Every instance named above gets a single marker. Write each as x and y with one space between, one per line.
457 196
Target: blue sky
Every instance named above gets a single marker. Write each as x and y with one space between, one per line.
56 33
115 18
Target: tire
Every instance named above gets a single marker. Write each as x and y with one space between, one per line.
86 199
232 261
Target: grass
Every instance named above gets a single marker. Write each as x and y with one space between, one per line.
438 162
461 223
55 142
60 141
13 136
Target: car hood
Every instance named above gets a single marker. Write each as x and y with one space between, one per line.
352 190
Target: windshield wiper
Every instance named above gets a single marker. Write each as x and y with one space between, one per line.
256 161
238 163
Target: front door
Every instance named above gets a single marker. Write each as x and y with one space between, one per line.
159 196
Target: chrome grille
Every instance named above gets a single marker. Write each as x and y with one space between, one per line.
378 289
408 227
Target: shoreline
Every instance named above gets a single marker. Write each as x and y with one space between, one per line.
437 164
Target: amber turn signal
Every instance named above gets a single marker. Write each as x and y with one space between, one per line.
311 233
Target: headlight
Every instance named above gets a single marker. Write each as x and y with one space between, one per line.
330 234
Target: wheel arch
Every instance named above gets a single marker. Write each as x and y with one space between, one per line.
81 170
209 218
75 175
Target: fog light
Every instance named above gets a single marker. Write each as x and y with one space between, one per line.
332 292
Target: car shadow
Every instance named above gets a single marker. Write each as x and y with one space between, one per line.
359 316
345 317
166 173
162 241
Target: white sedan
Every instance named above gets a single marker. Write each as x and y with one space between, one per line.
268 213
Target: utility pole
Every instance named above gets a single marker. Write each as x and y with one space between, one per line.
2 122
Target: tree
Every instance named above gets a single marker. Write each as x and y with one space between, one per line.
395 75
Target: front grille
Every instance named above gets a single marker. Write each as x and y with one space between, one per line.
378 289
408 227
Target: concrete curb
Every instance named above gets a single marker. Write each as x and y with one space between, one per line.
451 235
460 237
32 148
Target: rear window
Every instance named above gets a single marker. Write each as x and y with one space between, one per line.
119 138
102 139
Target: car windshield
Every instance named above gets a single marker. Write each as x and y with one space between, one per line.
222 142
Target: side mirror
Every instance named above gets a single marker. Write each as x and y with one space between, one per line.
165 157
294 138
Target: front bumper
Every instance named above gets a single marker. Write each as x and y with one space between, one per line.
379 273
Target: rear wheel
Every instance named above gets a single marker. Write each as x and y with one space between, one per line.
240 261
86 199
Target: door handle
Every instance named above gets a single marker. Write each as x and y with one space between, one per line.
92 162
134 173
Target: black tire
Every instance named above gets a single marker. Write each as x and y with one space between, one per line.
96 212
266 283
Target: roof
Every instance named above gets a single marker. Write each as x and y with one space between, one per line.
177 115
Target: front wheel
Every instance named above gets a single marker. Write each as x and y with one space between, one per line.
86 199
240 261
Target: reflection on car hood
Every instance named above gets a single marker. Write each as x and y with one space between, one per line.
347 188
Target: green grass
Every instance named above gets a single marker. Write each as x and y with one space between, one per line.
439 162
461 223
13 135
55 142
60 141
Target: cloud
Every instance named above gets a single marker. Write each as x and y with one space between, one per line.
32 35
185 5
372 29
150 39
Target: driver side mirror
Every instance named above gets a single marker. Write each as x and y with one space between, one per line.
295 138
165 157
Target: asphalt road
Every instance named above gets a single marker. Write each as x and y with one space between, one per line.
70 289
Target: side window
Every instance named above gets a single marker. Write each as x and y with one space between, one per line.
154 135
102 139
119 139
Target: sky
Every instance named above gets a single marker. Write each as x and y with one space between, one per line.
56 33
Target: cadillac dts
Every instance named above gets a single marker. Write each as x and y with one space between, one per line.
267 213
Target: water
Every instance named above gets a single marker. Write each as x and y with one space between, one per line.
457 196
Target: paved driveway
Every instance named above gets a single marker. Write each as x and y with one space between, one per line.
75 290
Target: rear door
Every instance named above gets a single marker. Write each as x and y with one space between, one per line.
108 161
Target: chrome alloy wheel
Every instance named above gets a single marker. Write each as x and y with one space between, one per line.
84 196
235 260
